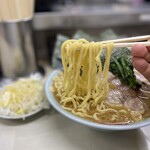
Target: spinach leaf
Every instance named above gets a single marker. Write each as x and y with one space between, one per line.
121 66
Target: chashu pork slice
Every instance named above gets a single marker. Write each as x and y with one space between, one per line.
122 95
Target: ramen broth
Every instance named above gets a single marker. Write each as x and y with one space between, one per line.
120 97
87 89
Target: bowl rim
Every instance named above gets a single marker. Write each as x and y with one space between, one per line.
23 117
51 98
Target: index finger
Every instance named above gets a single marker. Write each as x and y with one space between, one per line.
142 66
139 51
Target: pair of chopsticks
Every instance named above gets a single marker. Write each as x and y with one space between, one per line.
129 42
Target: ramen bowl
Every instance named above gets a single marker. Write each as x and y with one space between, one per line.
51 98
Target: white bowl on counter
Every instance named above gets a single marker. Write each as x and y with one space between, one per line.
51 98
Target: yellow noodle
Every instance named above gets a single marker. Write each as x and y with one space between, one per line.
83 86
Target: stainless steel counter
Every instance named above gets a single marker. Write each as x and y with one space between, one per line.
92 17
52 131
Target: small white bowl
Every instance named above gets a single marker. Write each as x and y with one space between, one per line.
57 106
23 117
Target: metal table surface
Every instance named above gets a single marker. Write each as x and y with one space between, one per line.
49 130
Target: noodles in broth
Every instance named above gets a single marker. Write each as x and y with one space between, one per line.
83 86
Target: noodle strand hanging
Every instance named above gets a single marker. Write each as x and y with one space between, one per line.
82 88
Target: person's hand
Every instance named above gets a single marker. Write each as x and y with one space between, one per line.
141 59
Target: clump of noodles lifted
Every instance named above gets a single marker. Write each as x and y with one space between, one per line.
83 86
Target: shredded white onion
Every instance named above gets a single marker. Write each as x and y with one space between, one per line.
22 97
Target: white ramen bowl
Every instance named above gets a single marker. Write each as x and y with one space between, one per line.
51 98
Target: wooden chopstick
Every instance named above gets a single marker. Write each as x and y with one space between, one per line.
129 44
131 39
